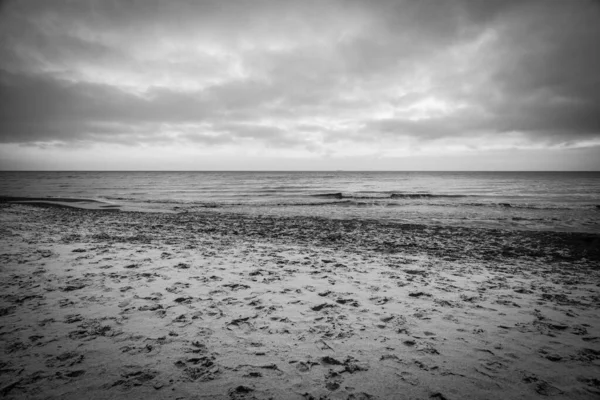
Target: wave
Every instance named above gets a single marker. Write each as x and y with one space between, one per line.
329 195
426 196
529 206
387 195
4 199
312 204
388 202
117 198
358 200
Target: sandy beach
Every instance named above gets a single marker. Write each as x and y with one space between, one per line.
215 305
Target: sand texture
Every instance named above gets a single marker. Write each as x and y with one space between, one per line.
210 305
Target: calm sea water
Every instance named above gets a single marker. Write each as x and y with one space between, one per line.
517 200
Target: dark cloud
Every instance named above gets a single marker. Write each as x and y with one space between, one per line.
298 74
40 109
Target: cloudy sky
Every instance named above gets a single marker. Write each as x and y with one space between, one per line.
305 85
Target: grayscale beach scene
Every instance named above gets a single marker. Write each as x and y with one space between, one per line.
311 200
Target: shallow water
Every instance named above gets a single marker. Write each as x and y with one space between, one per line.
515 200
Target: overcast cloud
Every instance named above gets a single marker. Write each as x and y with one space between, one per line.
330 84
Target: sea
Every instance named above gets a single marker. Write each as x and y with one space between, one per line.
554 201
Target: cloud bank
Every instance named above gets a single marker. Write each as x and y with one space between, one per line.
320 81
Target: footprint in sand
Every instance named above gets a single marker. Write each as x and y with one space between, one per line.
201 369
333 380
133 377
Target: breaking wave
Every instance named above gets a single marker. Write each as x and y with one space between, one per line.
383 195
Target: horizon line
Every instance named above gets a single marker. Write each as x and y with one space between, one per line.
274 170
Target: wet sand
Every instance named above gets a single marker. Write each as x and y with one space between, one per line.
101 305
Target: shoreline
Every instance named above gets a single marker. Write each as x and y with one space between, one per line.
233 306
433 215
386 236
76 204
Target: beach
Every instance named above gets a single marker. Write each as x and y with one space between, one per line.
211 304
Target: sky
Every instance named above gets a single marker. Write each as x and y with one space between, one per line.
300 85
